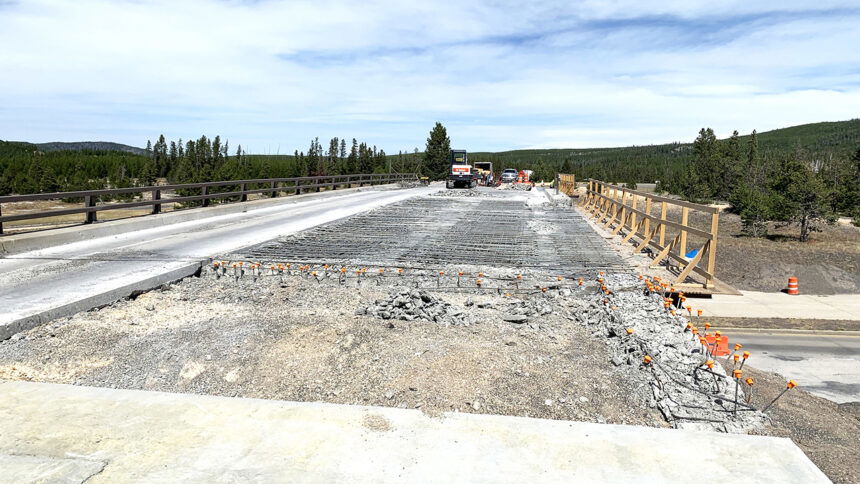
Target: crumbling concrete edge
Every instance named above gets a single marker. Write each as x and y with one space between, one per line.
18 243
23 324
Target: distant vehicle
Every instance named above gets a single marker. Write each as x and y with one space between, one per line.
460 175
509 175
484 170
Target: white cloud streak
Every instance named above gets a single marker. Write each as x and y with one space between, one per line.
500 75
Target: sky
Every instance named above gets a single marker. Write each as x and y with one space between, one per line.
500 75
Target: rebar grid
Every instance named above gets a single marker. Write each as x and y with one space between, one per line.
437 231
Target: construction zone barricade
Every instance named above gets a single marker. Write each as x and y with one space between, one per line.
631 213
566 184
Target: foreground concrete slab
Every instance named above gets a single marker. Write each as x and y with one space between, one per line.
753 304
161 437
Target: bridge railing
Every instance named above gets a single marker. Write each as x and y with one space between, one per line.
645 217
206 192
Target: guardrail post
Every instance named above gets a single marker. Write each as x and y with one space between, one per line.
334 183
156 207
298 187
90 201
1 223
662 225
685 214
204 191
244 196
274 192
712 248
317 183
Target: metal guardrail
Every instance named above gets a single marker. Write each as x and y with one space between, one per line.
617 208
275 185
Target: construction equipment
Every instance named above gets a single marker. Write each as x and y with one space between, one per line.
460 174
484 170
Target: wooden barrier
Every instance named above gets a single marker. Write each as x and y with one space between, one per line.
632 214
272 186
566 184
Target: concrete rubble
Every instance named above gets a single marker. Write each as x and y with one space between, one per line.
659 348
411 304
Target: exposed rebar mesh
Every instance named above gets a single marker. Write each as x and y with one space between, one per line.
436 231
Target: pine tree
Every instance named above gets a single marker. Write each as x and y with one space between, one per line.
352 159
436 152
802 198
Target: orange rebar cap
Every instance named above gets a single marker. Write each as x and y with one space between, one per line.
749 381
746 354
737 374
710 364
791 384
699 312
646 359
629 330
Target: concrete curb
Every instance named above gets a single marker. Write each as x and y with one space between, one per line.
19 243
29 322
825 332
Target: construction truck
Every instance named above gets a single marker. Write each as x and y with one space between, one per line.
460 175
484 171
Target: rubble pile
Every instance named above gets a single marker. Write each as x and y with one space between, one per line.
521 186
519 311
458 193
411 304
688 385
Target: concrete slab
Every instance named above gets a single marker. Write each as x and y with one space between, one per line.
150 436
39 285
37 468
753 304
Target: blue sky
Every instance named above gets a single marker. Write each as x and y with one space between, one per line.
500 75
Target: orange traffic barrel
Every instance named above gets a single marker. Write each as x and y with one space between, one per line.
792 286
721 347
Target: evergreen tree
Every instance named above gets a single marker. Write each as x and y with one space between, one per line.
436 152
802 198
352 159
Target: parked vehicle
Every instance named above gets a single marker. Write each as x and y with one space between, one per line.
509 175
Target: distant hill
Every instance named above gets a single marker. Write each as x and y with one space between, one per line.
90 146
836 137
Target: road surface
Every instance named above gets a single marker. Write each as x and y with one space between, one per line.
825 364
41 285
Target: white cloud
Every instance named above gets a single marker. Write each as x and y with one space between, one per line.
499 74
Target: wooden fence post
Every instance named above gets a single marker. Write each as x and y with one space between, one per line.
685 213
204 191
244 196
662 226
156 207
90 201
712 248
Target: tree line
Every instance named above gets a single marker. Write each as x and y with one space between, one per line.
789 188
24 168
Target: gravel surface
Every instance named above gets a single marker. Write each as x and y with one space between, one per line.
293 341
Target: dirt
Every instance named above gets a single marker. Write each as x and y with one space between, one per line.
300 343
826 432
829 263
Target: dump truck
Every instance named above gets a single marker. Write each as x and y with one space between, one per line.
484 171
460 175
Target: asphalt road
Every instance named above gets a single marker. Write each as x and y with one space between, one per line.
825 364
44 284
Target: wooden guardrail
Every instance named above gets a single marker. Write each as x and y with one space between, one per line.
274 186
631 212
565 183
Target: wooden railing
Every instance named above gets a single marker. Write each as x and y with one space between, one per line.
632 214
565 183
273 186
